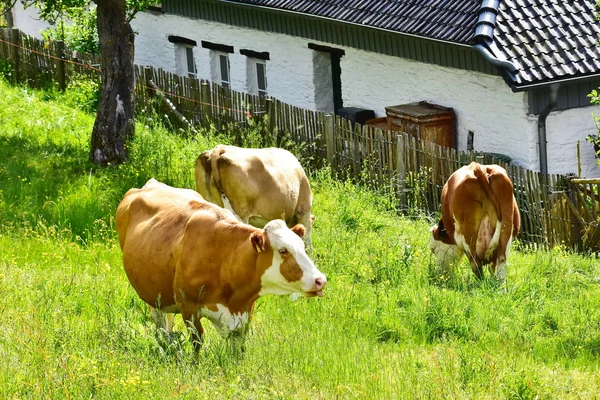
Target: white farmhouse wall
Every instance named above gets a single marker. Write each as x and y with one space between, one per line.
28 20
483 104
563 130
289 70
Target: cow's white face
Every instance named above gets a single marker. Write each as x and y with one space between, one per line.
291 270
445 254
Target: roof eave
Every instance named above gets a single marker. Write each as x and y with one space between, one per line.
529 86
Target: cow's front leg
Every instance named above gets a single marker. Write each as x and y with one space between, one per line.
162 320
231 326
192 321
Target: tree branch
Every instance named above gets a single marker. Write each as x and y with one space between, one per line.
8 7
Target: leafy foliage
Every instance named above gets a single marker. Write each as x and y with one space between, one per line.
80 33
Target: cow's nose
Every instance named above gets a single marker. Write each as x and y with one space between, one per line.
320 283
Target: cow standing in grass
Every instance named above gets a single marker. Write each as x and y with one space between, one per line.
185 255
257 185
480 217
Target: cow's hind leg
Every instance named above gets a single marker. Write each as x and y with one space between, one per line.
501 271
476 267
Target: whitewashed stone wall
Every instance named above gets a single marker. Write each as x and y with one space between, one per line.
483 104
564 130
27 20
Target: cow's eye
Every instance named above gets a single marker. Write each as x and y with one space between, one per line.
283 252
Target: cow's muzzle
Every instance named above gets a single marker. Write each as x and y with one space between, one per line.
317 289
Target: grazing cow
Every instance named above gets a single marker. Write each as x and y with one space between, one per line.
257 185
479 217
185 255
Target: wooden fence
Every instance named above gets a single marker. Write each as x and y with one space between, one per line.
555 209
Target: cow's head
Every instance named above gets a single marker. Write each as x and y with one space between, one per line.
445 253
291 270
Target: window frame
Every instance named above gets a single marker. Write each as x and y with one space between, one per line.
189 51
255 61
261 91
220 56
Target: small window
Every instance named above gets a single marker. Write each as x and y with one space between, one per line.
185 63
224 69
261 77
256 76
191 65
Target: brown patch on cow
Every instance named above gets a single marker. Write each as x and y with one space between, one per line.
227 291
196 205
290 269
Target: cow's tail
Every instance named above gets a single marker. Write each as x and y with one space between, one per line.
204 167
484 181
216 159
486 249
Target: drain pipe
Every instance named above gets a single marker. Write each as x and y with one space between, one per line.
492 59
483 39
542 139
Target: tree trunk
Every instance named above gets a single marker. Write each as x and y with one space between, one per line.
115 123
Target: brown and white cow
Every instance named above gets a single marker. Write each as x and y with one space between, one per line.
257 185
185 255
480 217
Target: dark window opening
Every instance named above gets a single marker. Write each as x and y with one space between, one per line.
224 69
261 79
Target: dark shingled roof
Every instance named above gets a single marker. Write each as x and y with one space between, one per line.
549 39
546 40
450 20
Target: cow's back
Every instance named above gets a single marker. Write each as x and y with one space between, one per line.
258 185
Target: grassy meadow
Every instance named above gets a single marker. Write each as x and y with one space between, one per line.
387 328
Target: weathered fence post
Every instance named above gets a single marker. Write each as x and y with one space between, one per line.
148 75
15 40
206 104
62 81
330 138
576 223
150 93
401 171
271 114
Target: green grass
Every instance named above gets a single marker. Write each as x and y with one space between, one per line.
387 328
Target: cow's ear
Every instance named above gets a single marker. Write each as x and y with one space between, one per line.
438 231
299 230
258 241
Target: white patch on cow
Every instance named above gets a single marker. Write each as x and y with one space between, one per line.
508 245
273 282
120 108
227 206
459 238
495 241
224 321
